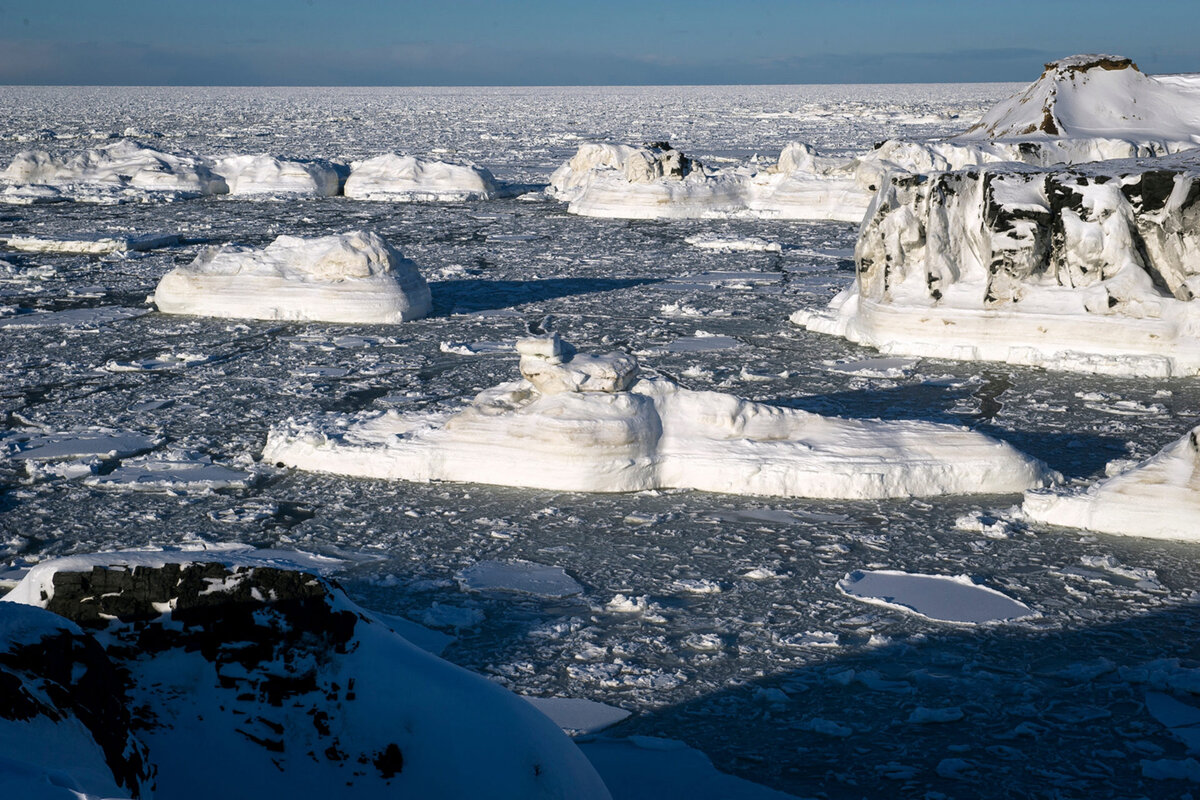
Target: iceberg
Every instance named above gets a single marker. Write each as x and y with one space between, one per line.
579 422
399 178
352 277
1089 268
1158 498
268 175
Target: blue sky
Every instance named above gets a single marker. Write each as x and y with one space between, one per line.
473 42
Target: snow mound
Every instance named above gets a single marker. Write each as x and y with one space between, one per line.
1095 96
123 165
352 277
941 598
293 690
1092 268
1159 498
90 243
588 423
406 178
268 175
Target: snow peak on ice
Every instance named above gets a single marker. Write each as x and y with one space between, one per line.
1092 268
351 277
1159 498
294 691
1095 96
587 423
407 178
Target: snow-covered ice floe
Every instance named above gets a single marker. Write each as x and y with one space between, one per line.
942 598
268 175
588 423
1082 108
1159 498
293 690
172 472
353 277
400 178
1091 268
89 243
116 170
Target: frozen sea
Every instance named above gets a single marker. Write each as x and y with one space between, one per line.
716 620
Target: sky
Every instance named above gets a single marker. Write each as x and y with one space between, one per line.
542 42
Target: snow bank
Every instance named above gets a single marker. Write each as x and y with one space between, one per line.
587 423
268 175
123 165
293 689
1159 498
351 277
1092 268
407 178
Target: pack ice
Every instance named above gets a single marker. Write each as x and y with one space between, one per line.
579 422
293 690
1159 498
352 277
1092 268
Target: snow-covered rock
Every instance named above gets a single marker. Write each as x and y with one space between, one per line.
1159 498
587 423
268 175
351 277
123 165
407 178
244 661
1091 268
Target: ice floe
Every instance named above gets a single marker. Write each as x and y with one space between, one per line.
1159 498
520 577
92 317
577 716
102 444
942 598
352 277
399 178
90 243
172 472
588 423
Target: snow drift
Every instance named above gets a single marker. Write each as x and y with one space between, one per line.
351 277
1159 498
292 689
1092 268
588 423
407 178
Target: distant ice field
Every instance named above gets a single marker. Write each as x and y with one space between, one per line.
715 619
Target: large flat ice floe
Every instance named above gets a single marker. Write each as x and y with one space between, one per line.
1081 109
400 178
942 598
588 423
1159 498
352 277
1091 268
292 689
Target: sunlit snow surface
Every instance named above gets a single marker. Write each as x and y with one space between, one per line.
717 620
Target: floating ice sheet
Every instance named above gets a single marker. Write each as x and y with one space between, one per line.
941 598
520 577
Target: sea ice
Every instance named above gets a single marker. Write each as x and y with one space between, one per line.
1159 498
588 423
77 445
173 472
90 243
399 178
577 716
941 598
521 577
72 317
351 277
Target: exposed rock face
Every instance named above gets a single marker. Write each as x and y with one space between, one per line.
61 691
1094 267
292 690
